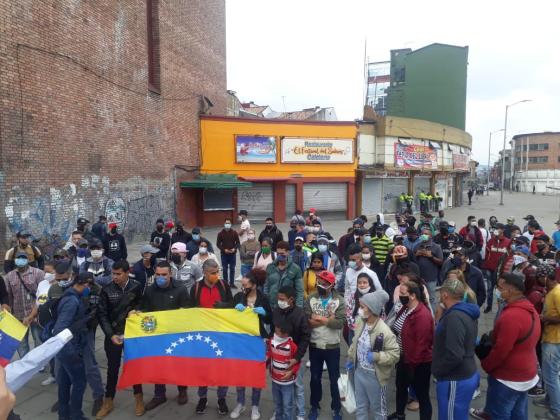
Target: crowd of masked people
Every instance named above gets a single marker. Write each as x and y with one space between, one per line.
405 296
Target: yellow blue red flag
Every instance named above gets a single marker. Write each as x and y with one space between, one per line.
194 347
11 333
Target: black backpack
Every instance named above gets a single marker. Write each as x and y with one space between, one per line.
46 317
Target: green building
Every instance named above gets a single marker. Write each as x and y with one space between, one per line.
429 84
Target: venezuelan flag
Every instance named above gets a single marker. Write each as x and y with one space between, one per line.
11 333
194 347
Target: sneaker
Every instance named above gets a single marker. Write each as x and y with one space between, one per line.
50 380
201 406
536 392
182 398
396 416
155 402
413 405
255 413
476 394
542 402
324 366
54 408
222 407
308 364
236 412
488 309
336 415
478 413
313 413
97 404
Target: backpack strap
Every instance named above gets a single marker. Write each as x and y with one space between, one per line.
526 337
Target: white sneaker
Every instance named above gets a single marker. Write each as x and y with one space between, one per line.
255 413
300 418
324 366
308 365
476 394
273 416
50 380
237 411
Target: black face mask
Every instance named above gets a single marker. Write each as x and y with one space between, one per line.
322 292
411 238
176 258
114 230
247 290
298 247
159 228
404 300
357 231
379 234
268 227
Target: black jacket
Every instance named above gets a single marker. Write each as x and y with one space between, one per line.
182 236
115 304
141 274
274 234
115 247
99 230
175 296
3 292
300 332
226 298
261 301
160 240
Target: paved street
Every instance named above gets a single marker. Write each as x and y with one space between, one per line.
34 401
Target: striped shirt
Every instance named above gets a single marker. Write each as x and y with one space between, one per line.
280 356
381 247
21 300
398 325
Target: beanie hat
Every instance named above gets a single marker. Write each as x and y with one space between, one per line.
375 301
545 270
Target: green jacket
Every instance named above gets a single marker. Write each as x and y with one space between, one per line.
326 336
387 358
422 196
291 276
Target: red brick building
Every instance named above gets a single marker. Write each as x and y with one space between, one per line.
99 106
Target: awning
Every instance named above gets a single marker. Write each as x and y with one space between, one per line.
216 182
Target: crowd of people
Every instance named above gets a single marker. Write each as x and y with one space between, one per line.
405 296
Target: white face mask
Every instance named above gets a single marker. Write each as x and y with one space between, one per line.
49 277
251 236
364 290
203 250
96 253
279 340
323 248
366 257
362 314
282 304
519 259
227 225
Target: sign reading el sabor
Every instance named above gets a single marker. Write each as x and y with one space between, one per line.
310 150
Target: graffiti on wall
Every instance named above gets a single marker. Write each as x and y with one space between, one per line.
115 211
142 213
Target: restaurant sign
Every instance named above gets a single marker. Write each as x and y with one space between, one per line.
312 150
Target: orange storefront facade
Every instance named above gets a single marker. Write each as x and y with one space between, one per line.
271 168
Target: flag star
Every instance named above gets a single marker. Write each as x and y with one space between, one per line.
207 340
198 337
190 337
219 352
174 344
214 345
169 350
181 340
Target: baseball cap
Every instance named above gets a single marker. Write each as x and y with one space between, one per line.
451 223
148 248
327 276
523 249
112 225
459 250
510 219
179 247
533 223
522 239
312 210
21 254
59 252
243 212
82 221
159 221
95 243
82 242
23 234
322 239
299 238
529 217
196 231
84 278
358 221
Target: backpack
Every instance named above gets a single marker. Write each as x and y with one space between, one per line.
47 316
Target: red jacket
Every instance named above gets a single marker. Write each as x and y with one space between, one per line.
417 335
495 249
533 248
478 240
509 361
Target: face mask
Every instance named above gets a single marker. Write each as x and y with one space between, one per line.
352 264
279 340
114 230
161 281
379 234
298 247
424 237
251 236
402 229
213 278
203 250
265 250
473 224
20 262
96 253
498 294
404 300
366 257
64 283
49 277
176 258
293 227
323 248
450 229
540 247
281 258
411 238
364 290
282 304
82 252
367 239
227 225
268 227
519 259
357 231
159 228
362 314
196 237
86 292
456 261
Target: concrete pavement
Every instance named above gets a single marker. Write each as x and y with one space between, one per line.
34 400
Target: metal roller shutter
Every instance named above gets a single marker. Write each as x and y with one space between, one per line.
371 196
258 201
290 201
327 198
392 189
420 183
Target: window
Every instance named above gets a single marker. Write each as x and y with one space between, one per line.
538 159
152 14
538 147
218 199
558 159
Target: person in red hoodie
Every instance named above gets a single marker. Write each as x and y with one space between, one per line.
414 328
512 362
472 233
496 249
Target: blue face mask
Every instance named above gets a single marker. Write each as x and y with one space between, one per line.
86 292
196 237
82 252
367 239
281 258
161 281
498 294
20 262
64 283
451 229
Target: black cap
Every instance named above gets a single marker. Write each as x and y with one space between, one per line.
159 221
410 230
84 278
62 267
533 223
59 252
529 217
23 234
522 239
243 212
95 243
196 230
102 217
82 221
500 226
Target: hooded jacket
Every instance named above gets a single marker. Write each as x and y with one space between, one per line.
274 234
454 343
508 360
465 232
496 248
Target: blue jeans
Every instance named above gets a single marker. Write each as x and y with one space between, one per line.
24 348
332 358
300 391
283 396
431 286
550 372
93 375
490 284
255 396
504 403
71 380
454 397
370 395
245 268
203 391
228 267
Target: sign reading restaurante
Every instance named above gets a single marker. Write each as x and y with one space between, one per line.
308 150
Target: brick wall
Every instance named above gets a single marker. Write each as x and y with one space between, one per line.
552 154
80 134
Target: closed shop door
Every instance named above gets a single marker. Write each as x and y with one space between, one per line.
441 189
258 201
290 201
371 196
330 199
392 189
420 183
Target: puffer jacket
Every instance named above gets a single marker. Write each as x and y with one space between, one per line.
291 276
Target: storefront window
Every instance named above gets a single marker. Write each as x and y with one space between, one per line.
218 199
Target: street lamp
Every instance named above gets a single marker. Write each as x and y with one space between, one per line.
489 144
504 152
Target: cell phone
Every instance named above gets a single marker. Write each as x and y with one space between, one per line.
378 343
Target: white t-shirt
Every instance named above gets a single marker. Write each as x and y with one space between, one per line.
521 386
43 292
244 228
485 237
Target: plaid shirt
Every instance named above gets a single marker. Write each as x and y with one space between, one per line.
20 300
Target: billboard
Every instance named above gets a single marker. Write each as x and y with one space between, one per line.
310 150
255 149
460 162
411 156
